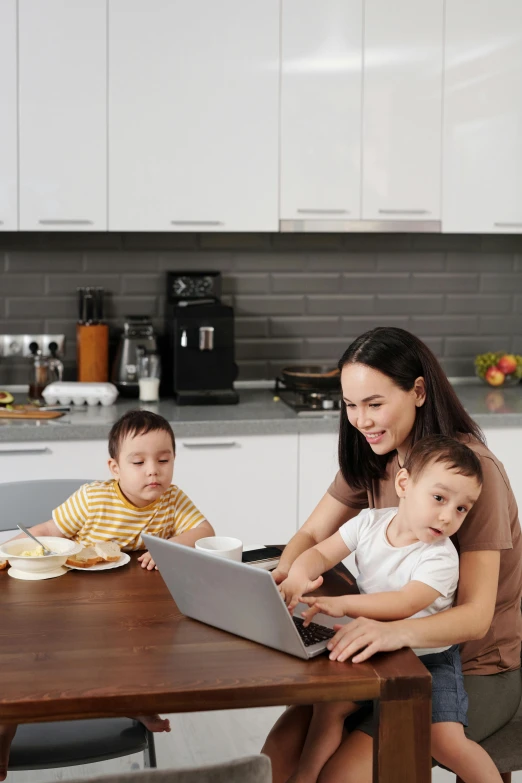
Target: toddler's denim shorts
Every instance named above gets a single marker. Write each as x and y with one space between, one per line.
449 700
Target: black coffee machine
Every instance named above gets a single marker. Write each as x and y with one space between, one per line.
199 330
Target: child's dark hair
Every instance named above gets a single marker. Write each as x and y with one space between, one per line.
440 448
137 422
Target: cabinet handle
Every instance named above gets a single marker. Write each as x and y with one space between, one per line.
324 211
508 225
65 222
11 452
404 212
205 444
197 223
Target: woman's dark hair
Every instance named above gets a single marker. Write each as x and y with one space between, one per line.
403 358
137 422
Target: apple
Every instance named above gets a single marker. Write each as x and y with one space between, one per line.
494 376
507 364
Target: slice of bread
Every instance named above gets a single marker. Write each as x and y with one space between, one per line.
3 564
85 558
108 551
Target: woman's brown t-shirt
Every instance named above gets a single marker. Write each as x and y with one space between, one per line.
492 524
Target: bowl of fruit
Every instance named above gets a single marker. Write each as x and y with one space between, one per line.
499 369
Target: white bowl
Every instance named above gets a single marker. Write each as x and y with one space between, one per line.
11 551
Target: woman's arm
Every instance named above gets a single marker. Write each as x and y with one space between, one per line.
325 519
471 619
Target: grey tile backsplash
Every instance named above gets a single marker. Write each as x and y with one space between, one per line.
297 298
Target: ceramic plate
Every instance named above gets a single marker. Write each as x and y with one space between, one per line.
124 559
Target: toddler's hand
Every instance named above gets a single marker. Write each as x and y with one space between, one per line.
147 562
333 607
278 575
293 587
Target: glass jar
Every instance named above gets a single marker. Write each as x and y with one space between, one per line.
38 377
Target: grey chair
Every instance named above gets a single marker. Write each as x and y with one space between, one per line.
64 743
252 769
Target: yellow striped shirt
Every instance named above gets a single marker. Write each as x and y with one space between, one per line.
100 512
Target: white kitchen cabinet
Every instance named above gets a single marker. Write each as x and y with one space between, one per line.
9 115
482 172
193 115
38 460
63 115
321 80
318 464
505 445
402 109
246 486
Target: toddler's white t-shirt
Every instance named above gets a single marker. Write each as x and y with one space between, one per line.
384 568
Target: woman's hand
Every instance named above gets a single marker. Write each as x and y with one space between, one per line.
362 638
333 607
294 586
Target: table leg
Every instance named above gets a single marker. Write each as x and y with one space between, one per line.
402 750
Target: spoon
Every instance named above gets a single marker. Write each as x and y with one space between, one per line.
46 549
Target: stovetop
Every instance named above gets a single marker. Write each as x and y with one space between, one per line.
312 402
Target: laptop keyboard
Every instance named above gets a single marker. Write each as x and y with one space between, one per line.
314 633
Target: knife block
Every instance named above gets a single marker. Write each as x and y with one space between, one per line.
92 352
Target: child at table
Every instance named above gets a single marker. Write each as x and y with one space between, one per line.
408 567
140 498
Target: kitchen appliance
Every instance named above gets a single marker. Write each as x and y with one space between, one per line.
199 328
138 333
313 391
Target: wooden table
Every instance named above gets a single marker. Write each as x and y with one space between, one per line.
113 643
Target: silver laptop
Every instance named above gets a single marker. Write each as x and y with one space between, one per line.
237 598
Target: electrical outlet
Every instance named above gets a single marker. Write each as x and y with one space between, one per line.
17 345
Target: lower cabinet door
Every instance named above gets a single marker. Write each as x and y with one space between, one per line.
54 459
505 445
246 486
318 464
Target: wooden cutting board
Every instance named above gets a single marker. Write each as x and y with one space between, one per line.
29 412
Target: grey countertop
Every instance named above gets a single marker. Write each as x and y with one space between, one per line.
256 414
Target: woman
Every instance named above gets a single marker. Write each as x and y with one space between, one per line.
395 392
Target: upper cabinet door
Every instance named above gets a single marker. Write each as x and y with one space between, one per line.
63 116
482 174
321 109
402 109
8 115
193 115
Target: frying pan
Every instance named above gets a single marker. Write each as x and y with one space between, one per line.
315 376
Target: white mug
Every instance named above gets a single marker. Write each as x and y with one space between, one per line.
221 546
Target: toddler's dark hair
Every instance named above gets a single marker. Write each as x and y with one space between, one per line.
137 422
441 448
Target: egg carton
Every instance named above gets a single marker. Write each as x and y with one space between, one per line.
78 393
